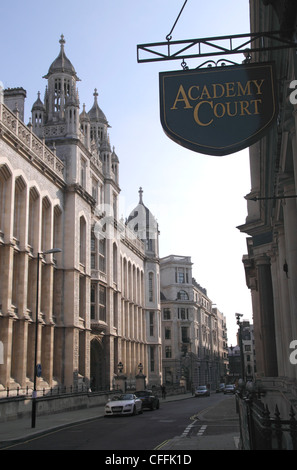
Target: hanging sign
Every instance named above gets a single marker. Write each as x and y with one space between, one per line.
218 110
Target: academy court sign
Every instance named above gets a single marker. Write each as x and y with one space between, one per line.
218 110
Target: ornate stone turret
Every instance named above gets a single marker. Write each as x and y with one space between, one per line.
38 116
142 221
99 123
61 92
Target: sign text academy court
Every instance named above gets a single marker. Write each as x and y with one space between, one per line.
218 111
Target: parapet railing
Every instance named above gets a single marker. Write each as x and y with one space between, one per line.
36 147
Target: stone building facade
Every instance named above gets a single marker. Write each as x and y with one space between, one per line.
98 301
194 334
271 224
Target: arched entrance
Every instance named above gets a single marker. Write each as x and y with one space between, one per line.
98 375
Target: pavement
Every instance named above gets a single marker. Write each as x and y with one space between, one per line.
222 413
214 428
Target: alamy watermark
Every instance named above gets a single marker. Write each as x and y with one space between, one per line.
293 355
140 224
293 94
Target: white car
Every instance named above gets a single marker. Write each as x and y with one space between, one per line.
202 391
126 404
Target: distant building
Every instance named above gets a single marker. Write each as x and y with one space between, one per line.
235 365
249 354
194 335
222 344
242 362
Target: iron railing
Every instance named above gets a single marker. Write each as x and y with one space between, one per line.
18 392
26 392
261 429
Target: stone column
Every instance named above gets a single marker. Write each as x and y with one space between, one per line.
7 253
257 332
47 359
290 231
6 326
282 307
19 365
120 382
6 320
140 381
266 311
22 284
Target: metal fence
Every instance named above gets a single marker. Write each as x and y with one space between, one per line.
53 391
27 392
261 429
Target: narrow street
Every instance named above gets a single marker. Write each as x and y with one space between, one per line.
176 425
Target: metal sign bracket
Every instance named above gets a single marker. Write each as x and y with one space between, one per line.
212 46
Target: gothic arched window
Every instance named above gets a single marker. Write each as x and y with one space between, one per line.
182 295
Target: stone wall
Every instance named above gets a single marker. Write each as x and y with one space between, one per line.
22 407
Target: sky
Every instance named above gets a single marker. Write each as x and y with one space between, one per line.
198 200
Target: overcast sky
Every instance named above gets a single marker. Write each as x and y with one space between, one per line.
197 199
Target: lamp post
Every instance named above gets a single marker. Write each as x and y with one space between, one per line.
34 395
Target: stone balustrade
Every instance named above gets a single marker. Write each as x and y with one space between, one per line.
30 141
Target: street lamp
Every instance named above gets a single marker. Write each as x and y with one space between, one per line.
239 323
34 395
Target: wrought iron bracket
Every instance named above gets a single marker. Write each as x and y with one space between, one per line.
213 46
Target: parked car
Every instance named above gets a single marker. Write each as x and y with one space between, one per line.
149 400
229 389
220 388
202 391
126 404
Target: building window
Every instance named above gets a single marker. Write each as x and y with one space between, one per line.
115 263
182 295
83 172
181 275
93 301
33 217
167 333
168 354
57 94
185 335
102 250
152 359
93 250
102 303
183 314
82 298
151 287
149 244
45 224
115 206
166 313
95 189
151 323
82 241
66 87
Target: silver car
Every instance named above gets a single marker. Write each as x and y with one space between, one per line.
202 391
229 389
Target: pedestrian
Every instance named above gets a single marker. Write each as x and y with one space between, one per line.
163 391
